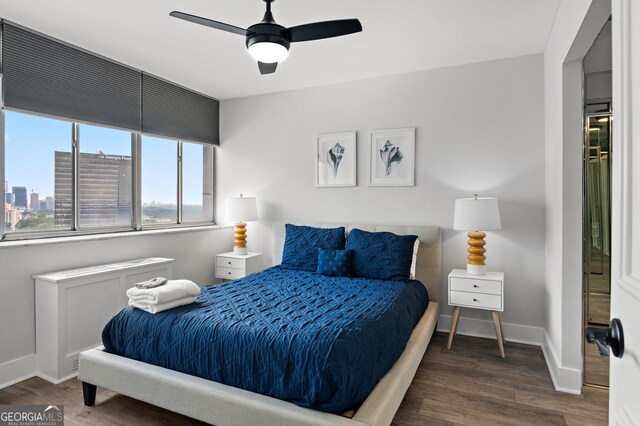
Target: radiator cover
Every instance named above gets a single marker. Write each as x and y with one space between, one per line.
73 306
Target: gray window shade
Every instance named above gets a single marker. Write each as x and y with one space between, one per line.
49 77
174 112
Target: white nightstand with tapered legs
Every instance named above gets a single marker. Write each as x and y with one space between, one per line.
478 292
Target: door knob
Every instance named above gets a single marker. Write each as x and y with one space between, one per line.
611 336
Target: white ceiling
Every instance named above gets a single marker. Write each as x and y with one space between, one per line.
398 36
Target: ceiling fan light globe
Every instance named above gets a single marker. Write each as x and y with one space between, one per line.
268 52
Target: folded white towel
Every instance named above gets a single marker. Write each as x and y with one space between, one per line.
172 290
155 308
152 283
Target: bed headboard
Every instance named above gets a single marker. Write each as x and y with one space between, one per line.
428 270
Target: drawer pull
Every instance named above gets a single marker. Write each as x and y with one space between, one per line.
475 300
230 274
475 286
229 263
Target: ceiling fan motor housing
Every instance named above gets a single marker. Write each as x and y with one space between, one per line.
268 32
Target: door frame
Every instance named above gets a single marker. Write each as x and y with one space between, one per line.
573 123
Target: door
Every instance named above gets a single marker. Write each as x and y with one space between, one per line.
624 383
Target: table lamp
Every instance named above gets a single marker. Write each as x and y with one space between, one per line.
241 210
476 215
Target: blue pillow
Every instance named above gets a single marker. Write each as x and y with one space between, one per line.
301 245
334 263
381 255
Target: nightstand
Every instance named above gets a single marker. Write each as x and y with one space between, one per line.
478 292
230 266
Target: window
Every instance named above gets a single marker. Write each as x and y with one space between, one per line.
41 178
72 175
37 186
105 183
197 182
159 181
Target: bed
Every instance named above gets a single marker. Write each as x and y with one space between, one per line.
193 395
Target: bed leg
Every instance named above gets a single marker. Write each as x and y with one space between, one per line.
89 393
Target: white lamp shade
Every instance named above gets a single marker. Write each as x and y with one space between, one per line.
268 52
241 209
476 214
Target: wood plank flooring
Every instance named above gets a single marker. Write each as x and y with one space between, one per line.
468 384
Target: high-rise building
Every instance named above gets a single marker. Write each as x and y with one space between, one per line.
104 189
20 196
50 203
9 198
6 186
43 205
34 201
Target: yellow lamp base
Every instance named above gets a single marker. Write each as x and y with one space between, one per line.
476 257
240 238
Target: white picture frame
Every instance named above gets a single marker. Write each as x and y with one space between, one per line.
336 160
392 157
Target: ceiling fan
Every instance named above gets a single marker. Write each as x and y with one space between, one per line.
268 42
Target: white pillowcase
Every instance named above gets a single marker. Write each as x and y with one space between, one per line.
414 260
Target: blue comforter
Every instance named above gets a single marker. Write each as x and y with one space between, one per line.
319 342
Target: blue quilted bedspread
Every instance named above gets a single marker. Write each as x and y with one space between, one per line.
316 341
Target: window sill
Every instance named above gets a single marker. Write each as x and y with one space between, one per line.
97 237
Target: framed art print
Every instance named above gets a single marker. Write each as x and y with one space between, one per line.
336 159
392 160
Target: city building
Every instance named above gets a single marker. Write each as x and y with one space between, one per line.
42 205
34 201
11 217
104 189
19 196
50 203
9 198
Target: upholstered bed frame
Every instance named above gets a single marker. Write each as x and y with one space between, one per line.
222 405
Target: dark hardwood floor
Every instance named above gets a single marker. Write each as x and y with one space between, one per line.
469 384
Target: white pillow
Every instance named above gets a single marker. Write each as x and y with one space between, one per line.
414 260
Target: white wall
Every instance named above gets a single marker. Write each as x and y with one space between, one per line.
577 24
194 252
479 128
599 58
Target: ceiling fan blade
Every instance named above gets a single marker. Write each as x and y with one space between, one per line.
267 68
209 23
326 29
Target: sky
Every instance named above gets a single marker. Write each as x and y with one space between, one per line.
30 143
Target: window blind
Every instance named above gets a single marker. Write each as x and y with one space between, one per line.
171 111
45 76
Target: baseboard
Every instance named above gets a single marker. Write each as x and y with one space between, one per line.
564 379
482 328
54 380
17 370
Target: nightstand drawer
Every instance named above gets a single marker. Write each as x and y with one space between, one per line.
476 286
476 300
229 273
229 262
